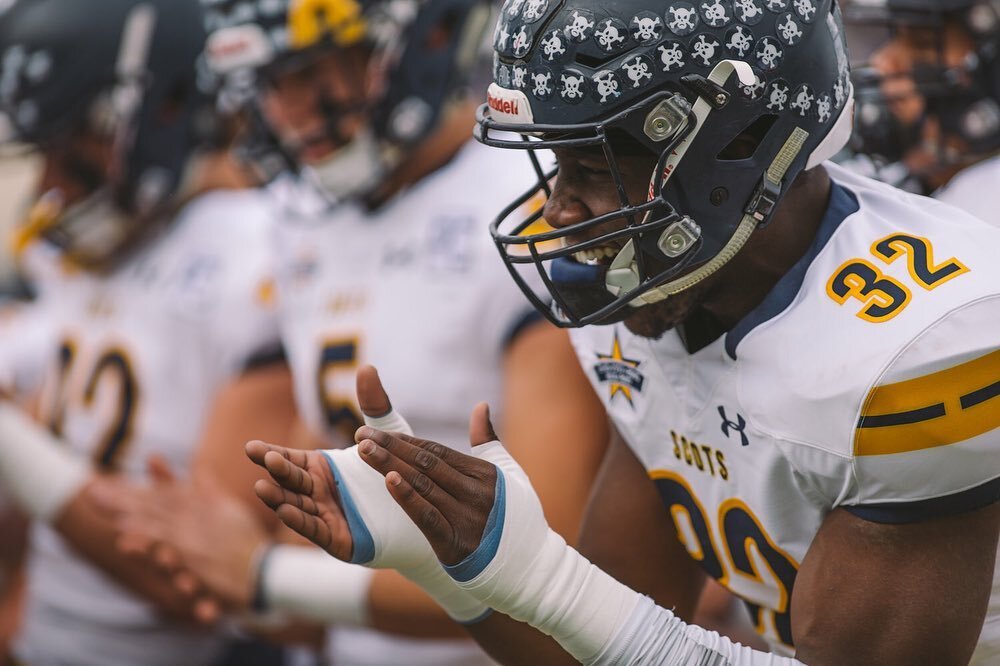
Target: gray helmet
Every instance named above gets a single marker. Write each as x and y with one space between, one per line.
126 72
680 80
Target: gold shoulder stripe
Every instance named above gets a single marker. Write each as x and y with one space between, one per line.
941 408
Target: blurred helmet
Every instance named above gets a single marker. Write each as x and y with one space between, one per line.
421 53
963 99
731 99
123 73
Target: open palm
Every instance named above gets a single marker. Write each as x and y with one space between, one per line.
304 495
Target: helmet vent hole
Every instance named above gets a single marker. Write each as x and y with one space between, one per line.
593 61
745 143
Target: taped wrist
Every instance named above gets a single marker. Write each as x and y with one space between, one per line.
36 469
308 583
525 570
384 537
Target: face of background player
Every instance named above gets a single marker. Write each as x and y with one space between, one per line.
900 59
75 166
318 105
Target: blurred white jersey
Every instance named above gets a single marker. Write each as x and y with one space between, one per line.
25 347
976 190
141 353
867 379
417 289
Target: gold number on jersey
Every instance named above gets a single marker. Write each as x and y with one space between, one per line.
338 357
919 259
746 546
883 296
112 365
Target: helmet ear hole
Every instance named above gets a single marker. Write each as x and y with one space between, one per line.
745 143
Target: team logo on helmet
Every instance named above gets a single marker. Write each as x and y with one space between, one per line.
672 55
309 21
716 13
748 12
789 31
682 19
646 27
769 53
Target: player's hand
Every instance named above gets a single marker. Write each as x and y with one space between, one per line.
125 502
447 494
197 530
303 494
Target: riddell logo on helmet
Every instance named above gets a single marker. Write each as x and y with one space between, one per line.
502 105
509 106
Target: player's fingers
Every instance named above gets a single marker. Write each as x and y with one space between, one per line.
206 611
453 470
166 557
426 516
428 475
288 474
480 427
256 450
159 469
372 398
186 583
273 495
309 526
133 544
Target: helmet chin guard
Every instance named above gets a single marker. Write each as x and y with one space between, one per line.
730 102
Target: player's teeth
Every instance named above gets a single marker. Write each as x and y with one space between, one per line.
594 255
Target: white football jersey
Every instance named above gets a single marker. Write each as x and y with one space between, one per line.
974 190
866 379
417 289
139 357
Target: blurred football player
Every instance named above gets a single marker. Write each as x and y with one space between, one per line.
157 295
385 205
802 365
928 95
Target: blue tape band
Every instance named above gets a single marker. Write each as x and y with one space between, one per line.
480 558
364 545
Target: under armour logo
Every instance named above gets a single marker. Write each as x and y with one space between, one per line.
739 425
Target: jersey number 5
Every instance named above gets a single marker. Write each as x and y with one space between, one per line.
884 296
338 357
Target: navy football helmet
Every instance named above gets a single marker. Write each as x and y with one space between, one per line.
687 82
964 100
421 53
123 74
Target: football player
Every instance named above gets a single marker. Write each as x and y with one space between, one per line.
156 293
928 97
385 212
801 364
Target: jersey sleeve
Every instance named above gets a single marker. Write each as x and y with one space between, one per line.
927 439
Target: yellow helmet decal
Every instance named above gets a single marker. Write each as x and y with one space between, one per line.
311 20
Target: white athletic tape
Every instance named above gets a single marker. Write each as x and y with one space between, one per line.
37 470
384 536
308 583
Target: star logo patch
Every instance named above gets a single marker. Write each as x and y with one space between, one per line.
620 373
